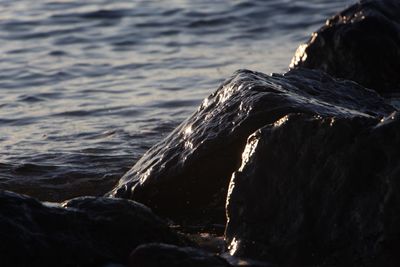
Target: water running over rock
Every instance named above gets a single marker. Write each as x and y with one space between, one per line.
187 174
317 184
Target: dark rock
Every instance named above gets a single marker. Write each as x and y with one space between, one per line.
245 262
361 43
159 255
82 232
187 173
315 191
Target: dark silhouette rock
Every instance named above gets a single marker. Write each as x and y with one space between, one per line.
187 174
157 255
237 261
85 231
361 43
315 191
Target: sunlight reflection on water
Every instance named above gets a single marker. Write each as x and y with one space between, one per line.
72 71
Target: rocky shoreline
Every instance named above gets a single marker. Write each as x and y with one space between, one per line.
294 169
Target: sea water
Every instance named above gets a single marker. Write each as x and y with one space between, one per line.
86 87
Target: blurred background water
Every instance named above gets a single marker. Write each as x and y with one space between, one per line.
86 87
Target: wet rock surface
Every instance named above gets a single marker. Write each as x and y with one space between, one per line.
188 172
155 255
361 43
315 191
317 184
85 231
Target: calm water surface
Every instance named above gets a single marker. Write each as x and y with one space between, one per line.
86 87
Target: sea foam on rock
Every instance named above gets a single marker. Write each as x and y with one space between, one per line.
361 43
85 231
187 174
319 191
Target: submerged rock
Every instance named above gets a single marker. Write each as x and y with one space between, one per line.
315 191
361 43
187 174
85 231
157 255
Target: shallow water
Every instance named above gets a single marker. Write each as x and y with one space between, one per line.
86 87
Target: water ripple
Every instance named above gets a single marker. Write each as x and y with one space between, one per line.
88 86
